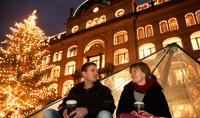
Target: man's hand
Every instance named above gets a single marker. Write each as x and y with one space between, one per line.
80 112
65 115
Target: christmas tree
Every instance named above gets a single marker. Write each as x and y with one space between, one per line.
24 81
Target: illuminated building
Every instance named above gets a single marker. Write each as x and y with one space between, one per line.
116 33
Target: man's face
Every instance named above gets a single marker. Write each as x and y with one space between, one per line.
91 74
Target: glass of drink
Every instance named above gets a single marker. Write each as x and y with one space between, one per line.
139 106
71 106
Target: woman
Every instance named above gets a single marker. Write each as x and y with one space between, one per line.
144 89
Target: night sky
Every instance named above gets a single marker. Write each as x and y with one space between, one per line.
52 14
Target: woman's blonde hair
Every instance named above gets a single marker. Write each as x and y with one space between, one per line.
143 67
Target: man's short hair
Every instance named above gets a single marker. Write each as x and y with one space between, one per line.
86 65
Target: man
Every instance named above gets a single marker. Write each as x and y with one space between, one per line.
94 100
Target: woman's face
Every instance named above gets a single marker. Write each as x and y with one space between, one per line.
138 76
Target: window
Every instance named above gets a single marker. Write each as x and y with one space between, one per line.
173 24
54 88
119 12
72 51
120 37
67 87
55 57
189 18
140 32
146 49
172 40
103 19
55 72
95 21
48 59
75 29
139 8
60 55
149 30
89 24
195 40
94 43
145 5
121 56
70 68
198 16
163 26
44 60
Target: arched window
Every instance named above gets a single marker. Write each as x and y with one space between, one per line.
146 49
120 37
121 56
97 42
172 40
72 51
54 88
159 2
190 20
70 68
89 24
55 57
163 26
60 55
139 8
75 29
55 72
48 59
119 12
149 30
173 25
67 87
95 21
44 60
145 6
140 33
195 39
198 16
103 19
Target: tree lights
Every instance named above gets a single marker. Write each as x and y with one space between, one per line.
23 81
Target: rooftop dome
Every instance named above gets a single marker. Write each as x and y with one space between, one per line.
87 4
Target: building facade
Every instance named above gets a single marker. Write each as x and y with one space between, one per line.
114 34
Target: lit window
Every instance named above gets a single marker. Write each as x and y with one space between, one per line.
55 57
55 72
195 40
149 30
96 9
54 88
96 21
60 55
103 19
163 26
120 37
173 25
92 44
146 49
72 51
189 18
139 8
121 56
145 5
159 2
89 24
75 29
140 32
70 68
44 60
172 40
67 87
198 16
48 59
119 12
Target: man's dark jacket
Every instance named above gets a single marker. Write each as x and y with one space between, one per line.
154 100
98 98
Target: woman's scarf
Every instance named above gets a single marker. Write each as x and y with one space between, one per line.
144 88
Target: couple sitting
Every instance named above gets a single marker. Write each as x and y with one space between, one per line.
95 100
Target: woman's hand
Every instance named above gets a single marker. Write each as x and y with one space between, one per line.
145 113
134 112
